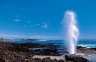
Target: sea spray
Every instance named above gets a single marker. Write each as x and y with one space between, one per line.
71 31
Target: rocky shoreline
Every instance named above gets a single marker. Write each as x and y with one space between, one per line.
10 52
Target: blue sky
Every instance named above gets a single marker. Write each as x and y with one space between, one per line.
40 18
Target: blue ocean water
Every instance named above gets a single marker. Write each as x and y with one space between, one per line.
84 43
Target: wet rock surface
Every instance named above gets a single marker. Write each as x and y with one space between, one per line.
86 50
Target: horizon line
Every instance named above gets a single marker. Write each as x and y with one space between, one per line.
35 37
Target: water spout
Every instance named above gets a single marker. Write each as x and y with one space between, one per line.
71 31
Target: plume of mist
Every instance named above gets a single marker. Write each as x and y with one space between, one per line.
71 31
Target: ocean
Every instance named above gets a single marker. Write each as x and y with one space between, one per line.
83 43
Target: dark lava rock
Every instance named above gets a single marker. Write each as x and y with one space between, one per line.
36 60
54 60
1 60
47 60
61 60
75 58
86 50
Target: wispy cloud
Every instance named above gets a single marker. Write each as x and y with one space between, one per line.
29 21
11 36
42 25
46 37
17 20
7 36
25 26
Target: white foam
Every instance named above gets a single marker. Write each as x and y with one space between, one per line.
51 57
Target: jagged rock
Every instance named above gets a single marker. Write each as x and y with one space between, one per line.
61 60
75 58
86 50
46 60
37 60
54 60
1 60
